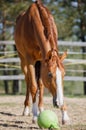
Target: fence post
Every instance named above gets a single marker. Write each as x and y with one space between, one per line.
84 73
20 87
84 68
15 82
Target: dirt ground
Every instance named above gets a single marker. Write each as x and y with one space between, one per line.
11 108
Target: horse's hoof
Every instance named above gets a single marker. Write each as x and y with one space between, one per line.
34 121
66 122
65 118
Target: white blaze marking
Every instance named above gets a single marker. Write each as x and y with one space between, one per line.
59 86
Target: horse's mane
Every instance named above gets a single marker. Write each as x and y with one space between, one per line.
44 14
47 22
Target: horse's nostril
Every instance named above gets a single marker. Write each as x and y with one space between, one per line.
55 103
50 75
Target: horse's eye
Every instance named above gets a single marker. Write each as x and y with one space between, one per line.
49 57
50 75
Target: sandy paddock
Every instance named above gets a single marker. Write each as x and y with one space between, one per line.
11 108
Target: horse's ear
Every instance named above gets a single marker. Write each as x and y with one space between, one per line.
63 56
51 53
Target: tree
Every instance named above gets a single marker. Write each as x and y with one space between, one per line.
82 13
3 13
70 18
7 21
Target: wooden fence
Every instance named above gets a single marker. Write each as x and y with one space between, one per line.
9 57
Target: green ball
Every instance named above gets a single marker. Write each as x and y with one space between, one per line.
48 119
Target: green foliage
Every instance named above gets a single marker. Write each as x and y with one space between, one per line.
70 18
69 15
9 10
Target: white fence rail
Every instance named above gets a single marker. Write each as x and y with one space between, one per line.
21 77
60 43
11 60
67 61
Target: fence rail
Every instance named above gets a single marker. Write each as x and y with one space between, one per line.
11 60
60 43
66 62
21 77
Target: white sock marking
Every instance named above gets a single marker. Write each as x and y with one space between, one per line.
59 86
35 111
41 109
65 116
26 111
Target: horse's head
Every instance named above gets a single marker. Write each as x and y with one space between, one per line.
55 72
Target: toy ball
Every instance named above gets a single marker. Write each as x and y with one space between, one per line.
48 119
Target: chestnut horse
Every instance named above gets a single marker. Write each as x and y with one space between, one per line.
36 42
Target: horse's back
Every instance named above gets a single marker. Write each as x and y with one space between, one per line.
24 32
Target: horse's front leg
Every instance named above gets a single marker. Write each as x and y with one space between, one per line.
41 92
65 117
33 90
